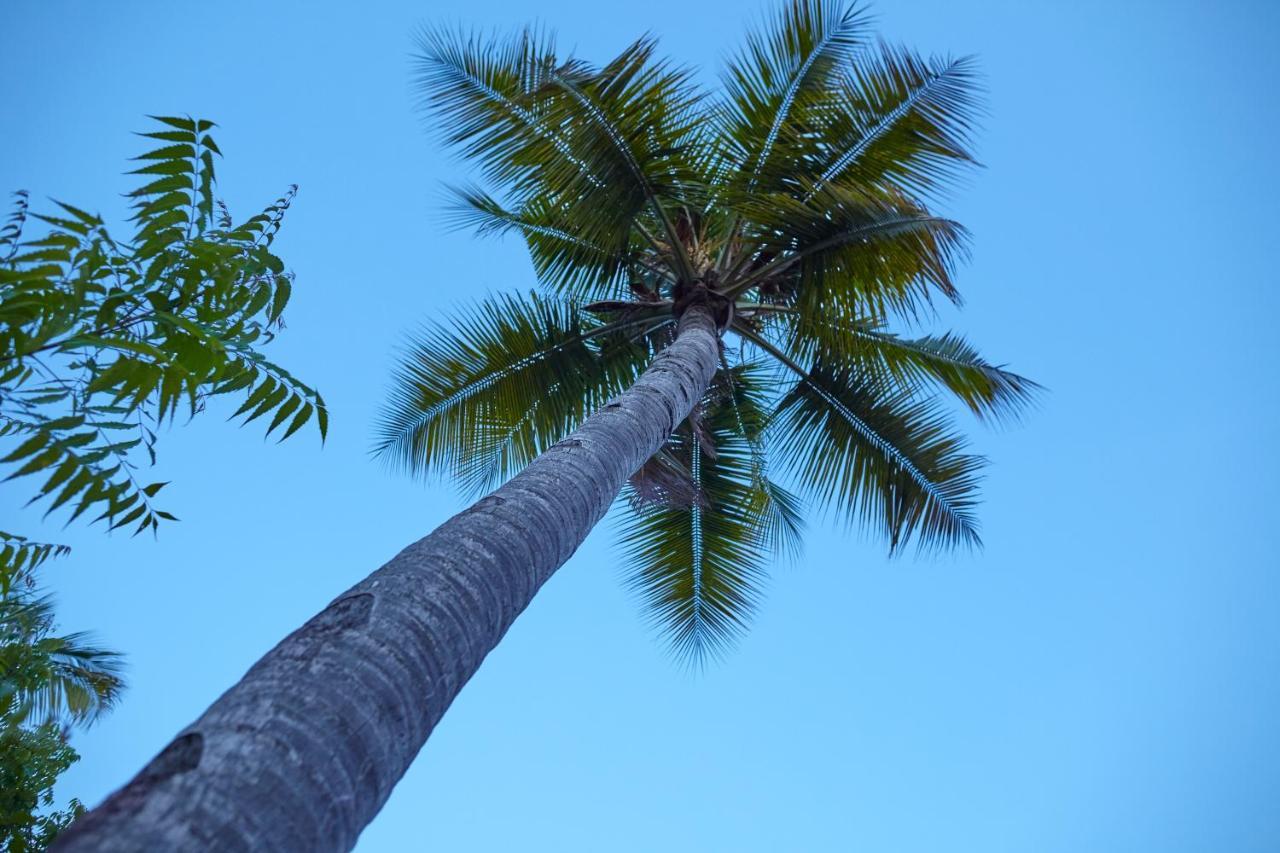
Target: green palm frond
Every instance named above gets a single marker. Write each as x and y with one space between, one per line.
945 361
699 568
565 262
899 120
636 123
741 397
50 679
702 522
20 557
881 457
772 86
480 397
602 147
778 515
485 93
847 252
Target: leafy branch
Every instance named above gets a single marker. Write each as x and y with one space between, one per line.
104 341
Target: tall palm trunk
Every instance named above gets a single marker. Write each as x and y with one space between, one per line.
303 752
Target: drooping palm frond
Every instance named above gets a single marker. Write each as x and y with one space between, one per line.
798 201
698 556
742 398
698 570
778 514
879 456
47 679
479 398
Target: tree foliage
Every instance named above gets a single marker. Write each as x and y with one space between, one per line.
102 341
31 759
47 684
796 204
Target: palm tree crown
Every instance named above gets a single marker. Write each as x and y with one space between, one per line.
793 205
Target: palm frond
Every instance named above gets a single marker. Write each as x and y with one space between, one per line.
607 153
487 96
479 397
876 453
50 679
948 361
853 254
565 262
20 557
740 395
900 120
784 66
705 521
501 445
778 514
635 119
699 569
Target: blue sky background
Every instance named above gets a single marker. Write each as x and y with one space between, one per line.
1103 676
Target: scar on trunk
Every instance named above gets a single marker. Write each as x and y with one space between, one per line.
182 755
343 615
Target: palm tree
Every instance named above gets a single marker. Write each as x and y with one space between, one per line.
48 680
718 273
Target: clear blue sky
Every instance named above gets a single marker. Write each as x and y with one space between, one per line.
1103 676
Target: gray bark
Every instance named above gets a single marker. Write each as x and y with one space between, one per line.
305 749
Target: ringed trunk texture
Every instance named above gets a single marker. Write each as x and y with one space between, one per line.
304 751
